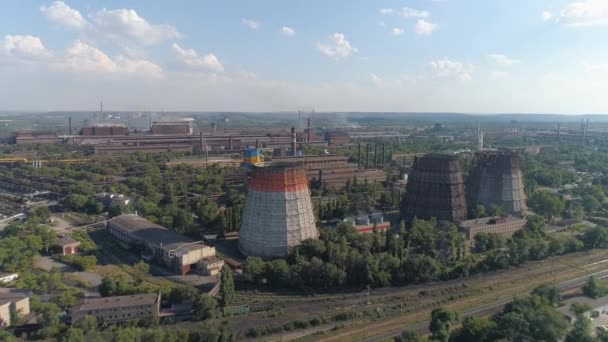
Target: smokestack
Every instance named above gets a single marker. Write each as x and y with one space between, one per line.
150 122
383 157
70 125
257 143
230 143
375 156
201 140
359 156
308 138
293 141
367 148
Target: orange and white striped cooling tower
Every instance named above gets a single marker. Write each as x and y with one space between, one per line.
278 211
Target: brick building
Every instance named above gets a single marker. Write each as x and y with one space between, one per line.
504 226
117 309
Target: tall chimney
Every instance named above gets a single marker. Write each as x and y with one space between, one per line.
257 143
201 142
70 125
383 157
367 148
293 141
375 156
308 138
230 143
359 156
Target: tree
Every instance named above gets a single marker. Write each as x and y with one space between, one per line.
495 210
409 336
116 209
204 307
128 335
580 333
226 286
253 269
594 288
476 329
182 294
141 270
441 322
479 211
87 323
551 293
73 335
546 204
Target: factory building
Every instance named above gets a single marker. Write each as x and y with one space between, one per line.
497 180
157 243
278 211
435 189
182 127
334 171
117 309
504 226
104 130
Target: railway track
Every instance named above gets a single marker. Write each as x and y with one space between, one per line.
496 292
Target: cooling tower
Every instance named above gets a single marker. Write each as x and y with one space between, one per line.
435 189
278 211
496 179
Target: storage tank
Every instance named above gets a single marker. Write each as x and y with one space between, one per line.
278 211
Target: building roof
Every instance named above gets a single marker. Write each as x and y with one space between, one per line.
153 233
211 260
10 293
88 304
485 221
66 241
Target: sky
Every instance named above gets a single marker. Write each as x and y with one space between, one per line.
467 56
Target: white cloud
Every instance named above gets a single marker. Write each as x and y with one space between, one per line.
445 68
60 13
502 59
592 68
386 11
84 59
546 16
499 75
396 31
407 12
287 31
424 27
191 58
585 13
252 24
376 81
340 47
24 47
121 24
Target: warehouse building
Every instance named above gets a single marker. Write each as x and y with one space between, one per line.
504 226
165 247
117 309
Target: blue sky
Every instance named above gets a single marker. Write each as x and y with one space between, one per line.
480 56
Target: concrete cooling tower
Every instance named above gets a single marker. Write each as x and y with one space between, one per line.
496 179
278 211
435 189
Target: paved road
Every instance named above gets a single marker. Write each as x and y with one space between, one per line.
484 310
